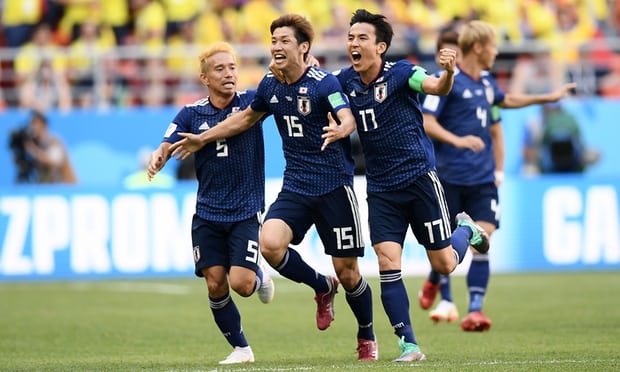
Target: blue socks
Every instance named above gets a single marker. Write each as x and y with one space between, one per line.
460 241
396 304
228 320
478 280
293 267
360 302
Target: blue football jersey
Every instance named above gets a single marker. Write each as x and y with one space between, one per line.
389 124
230 171
300 113
467 110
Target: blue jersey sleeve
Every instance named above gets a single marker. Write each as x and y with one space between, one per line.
332 89
180 124
261 99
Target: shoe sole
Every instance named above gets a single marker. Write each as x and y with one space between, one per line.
440 318
476 327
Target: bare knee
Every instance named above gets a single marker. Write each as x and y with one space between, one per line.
443 261
444 267
274 240
217 288
347 271
244 288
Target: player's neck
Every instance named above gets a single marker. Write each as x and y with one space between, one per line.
221 101
294 72
369 75
470 67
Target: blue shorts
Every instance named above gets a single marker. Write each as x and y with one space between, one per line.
335 216
480 202
225 243
421 205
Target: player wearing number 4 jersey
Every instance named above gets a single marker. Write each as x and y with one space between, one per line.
470 157
230 199
318 179
402 187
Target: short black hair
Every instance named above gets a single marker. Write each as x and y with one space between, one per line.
383 29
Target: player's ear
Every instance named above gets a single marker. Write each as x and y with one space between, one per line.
305 47
204 79
381 47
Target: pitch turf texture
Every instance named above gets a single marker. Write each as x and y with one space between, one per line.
541 322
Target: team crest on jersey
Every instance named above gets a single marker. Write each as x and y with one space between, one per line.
380 92
488 91
303 105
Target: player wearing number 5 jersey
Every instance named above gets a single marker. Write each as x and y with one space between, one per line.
230 197
318 178
402 187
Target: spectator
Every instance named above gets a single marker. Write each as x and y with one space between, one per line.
149 24
86 62
179 12
554 144
19 20
115 14
41 73
39 155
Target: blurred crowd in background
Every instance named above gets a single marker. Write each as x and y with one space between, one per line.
117 53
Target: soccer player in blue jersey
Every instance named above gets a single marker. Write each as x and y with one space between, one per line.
230 199
402 187
469 149
318 178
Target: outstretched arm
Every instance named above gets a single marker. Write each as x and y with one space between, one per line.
512 100
232 126
158 159
334 131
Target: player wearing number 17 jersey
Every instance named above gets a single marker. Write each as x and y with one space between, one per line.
402 187
318 178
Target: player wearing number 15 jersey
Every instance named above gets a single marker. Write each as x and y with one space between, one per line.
402 187
318 178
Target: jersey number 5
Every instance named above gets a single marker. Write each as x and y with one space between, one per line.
221 147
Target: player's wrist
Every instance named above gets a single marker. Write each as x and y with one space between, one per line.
499 176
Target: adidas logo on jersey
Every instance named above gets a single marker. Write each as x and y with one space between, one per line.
203 126
467 94
273 99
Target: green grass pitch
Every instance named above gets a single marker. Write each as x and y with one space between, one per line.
541 322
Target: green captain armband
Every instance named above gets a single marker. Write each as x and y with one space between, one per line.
335 99
416 79
495 113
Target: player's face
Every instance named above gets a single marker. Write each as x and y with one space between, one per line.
488 54
221 75
364 51
285 51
